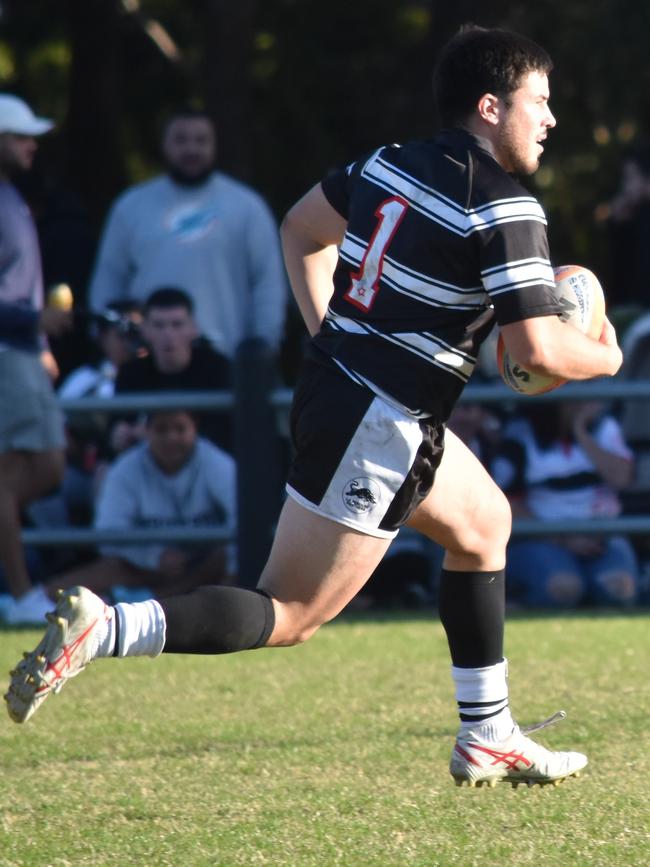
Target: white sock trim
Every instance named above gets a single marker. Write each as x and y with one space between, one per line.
142 628
481 684
105 637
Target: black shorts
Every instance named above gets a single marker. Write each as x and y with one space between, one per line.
358 459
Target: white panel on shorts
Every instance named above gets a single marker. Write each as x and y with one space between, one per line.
372 470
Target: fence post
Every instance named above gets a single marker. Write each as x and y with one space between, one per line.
258 454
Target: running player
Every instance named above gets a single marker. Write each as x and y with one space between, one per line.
400 263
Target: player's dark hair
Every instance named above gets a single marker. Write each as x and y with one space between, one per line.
478 61
168 297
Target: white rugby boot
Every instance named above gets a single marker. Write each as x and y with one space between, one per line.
69 643
476 761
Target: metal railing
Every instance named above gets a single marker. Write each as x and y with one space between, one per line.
255 404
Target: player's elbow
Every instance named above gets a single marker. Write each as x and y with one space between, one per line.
535 344
538 359
534 356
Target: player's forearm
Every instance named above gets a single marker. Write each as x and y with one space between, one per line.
310 234
310 267
553 348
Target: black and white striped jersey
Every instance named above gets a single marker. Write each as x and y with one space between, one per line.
440 243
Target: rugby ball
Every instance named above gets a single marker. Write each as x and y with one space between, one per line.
583 303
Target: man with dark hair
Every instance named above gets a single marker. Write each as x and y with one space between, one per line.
199 229
401 263
178 360
464 73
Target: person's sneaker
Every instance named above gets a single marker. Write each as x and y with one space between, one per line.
517 759
64 651
29 610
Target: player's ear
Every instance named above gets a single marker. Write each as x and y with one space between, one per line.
489 108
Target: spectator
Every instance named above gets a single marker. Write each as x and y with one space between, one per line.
200 230
117 340
31 424
178 361
564 461
478 428
174 479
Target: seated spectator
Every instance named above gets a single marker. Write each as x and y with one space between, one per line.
178 361
559 461
174 479
117 340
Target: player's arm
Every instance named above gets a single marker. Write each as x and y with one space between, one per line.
548 346
311 233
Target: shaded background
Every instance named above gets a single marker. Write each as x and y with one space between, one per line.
296 87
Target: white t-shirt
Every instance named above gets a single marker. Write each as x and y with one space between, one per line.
136 493
561 481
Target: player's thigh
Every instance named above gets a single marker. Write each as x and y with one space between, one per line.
465 511
316 566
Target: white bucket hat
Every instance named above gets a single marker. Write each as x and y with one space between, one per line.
17 117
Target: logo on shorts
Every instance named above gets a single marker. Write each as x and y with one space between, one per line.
361 495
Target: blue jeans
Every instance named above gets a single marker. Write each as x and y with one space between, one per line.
545 574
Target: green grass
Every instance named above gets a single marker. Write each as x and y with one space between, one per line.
334 753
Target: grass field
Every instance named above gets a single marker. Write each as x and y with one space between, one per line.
333 753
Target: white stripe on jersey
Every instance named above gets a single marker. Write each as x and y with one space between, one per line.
414 284
511 275
445 211
425 345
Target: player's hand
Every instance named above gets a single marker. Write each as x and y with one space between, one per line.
55 322
608 338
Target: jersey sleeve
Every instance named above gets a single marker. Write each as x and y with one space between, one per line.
514 259
338 184
336 187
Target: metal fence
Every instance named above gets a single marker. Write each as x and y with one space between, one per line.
257 406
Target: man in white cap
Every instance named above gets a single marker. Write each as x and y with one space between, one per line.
31 423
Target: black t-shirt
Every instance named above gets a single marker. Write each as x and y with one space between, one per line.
208 370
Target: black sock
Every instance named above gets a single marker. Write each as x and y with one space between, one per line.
218 620
472 608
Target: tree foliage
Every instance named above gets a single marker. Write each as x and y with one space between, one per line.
298 86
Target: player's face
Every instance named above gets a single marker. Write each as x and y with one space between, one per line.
16 153
171 437
189 148
523 125
169 333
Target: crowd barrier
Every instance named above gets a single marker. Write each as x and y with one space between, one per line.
259 410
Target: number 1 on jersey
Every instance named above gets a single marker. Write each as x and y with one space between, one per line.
365 282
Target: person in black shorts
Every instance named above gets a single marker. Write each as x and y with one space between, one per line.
401 263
